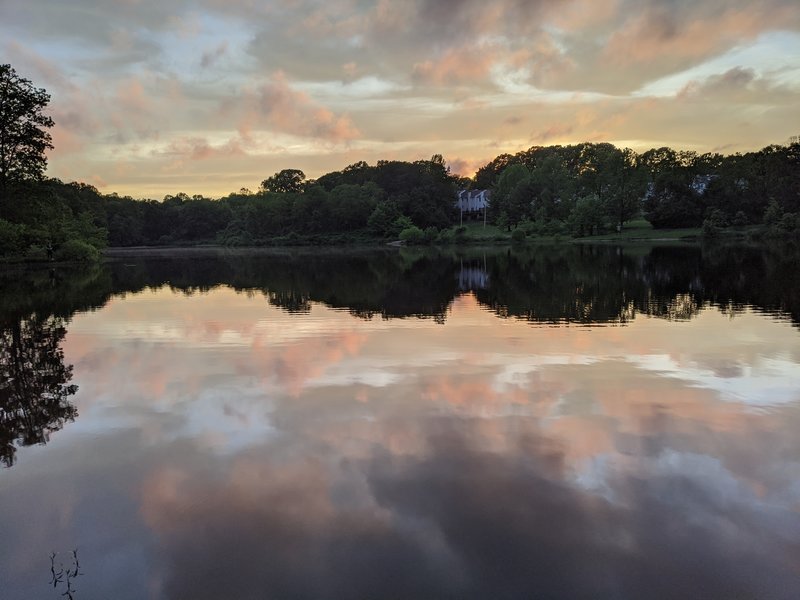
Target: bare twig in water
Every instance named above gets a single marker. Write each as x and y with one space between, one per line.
64 576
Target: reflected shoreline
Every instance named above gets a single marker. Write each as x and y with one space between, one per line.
565 284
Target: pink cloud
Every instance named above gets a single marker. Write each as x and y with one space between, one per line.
131 96
276 105
455 66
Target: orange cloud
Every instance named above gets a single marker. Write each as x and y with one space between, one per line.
466 167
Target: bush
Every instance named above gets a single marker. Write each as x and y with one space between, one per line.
552 228
431 233
35 253
460 234
789 223
446 236
401 223
412 235
11 241
740 219
518 236
529 227
773 214
718 218
710 228
77 251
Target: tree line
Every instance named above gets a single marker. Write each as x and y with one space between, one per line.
575 190
586 188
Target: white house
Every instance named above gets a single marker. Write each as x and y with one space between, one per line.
473 201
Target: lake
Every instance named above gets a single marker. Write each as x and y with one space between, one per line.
552 422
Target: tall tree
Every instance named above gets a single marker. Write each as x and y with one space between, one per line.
511 197
23 130
286 181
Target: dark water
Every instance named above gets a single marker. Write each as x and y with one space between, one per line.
567 422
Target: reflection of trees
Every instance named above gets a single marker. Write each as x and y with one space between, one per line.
34 384
544 284
290 301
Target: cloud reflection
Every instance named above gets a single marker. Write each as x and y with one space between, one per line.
322 455
459 521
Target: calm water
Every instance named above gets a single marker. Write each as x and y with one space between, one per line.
567 422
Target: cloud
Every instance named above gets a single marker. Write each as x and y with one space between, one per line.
32 65
210 57
456 66
276 105
555 131
465 167
739 86
197 148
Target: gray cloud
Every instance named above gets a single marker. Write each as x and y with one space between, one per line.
210 57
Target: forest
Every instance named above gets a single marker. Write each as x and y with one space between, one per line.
574 190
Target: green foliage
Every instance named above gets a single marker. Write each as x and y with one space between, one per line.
353 205
552 189
423 190
518 236
710 229
35 253
446 236
11 238
77 251
430 235
587 217
383 219
402 222
511 198
718 218
83 228
412 235
790 223
773 214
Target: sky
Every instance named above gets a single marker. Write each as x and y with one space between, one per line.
156 97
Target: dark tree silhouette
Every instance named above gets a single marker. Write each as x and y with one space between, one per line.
23 130
287 181
34 384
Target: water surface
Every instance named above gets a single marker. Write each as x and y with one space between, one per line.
569 422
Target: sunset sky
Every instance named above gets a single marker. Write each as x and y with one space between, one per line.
157 97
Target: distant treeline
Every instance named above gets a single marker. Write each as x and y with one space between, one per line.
593 186
557 190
